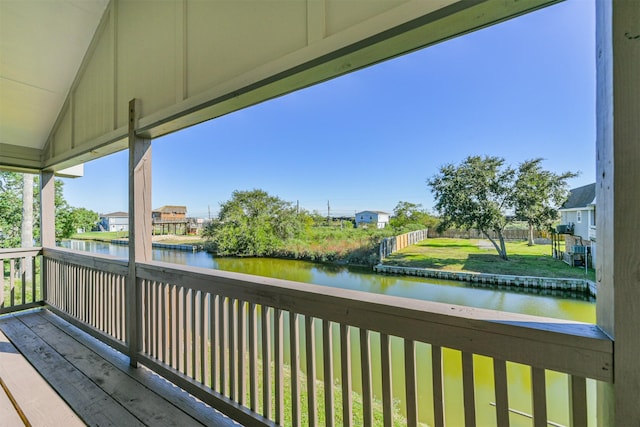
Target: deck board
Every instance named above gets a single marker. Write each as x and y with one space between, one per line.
97 381
36 399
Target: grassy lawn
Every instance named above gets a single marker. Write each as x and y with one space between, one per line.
471 255
107 236
101 236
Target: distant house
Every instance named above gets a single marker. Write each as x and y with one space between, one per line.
578 218
169 213
115 221
377 218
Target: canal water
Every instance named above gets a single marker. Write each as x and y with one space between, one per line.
451 292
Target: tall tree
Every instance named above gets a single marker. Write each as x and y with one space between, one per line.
539 194
479 193
407 214
10 209
14 214
252 223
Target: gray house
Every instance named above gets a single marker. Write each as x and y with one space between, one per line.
578 214
378 218
115 221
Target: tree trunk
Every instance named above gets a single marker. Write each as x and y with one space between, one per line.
27 224
502 250
531 242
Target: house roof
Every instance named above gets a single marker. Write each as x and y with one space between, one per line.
375 212
115 214
581 197
172 209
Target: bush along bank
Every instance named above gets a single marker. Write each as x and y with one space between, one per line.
342 248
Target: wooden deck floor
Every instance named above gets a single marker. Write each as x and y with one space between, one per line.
59 375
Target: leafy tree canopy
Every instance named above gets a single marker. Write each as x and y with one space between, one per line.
252 223
484 194
410 215
538 194
476 194
68 218
10 209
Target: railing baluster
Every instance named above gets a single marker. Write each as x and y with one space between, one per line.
539 393
501 391
164 316
310 344
266 361
146 292
215 341
170 326
223 344
104 303
345 365
176 327
294 344
387 380
193 344
232 348
253 357
438 389
185 332
468 390
242 352
156 320
411 397
203 339
577 401
365 366
155 323
12 284
279 364
34 296
23 263
327 359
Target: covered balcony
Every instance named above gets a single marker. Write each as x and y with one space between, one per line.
133 341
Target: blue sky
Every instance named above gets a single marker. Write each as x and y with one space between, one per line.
521 89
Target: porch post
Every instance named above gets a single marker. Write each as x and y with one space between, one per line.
47 220
139 226
618 198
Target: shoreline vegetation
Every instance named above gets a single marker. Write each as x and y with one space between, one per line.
476 256
359 247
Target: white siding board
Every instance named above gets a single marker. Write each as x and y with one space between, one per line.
64 133
93 96
145 56
341 14
227 39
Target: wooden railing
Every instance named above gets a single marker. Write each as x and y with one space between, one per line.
252 347
88 290
21 286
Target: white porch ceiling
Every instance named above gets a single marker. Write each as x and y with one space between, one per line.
42 44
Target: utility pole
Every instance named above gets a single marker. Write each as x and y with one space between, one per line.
328 213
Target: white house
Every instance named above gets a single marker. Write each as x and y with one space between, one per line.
379 218
115 221
579 213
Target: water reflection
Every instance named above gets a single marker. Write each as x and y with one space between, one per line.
542 303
